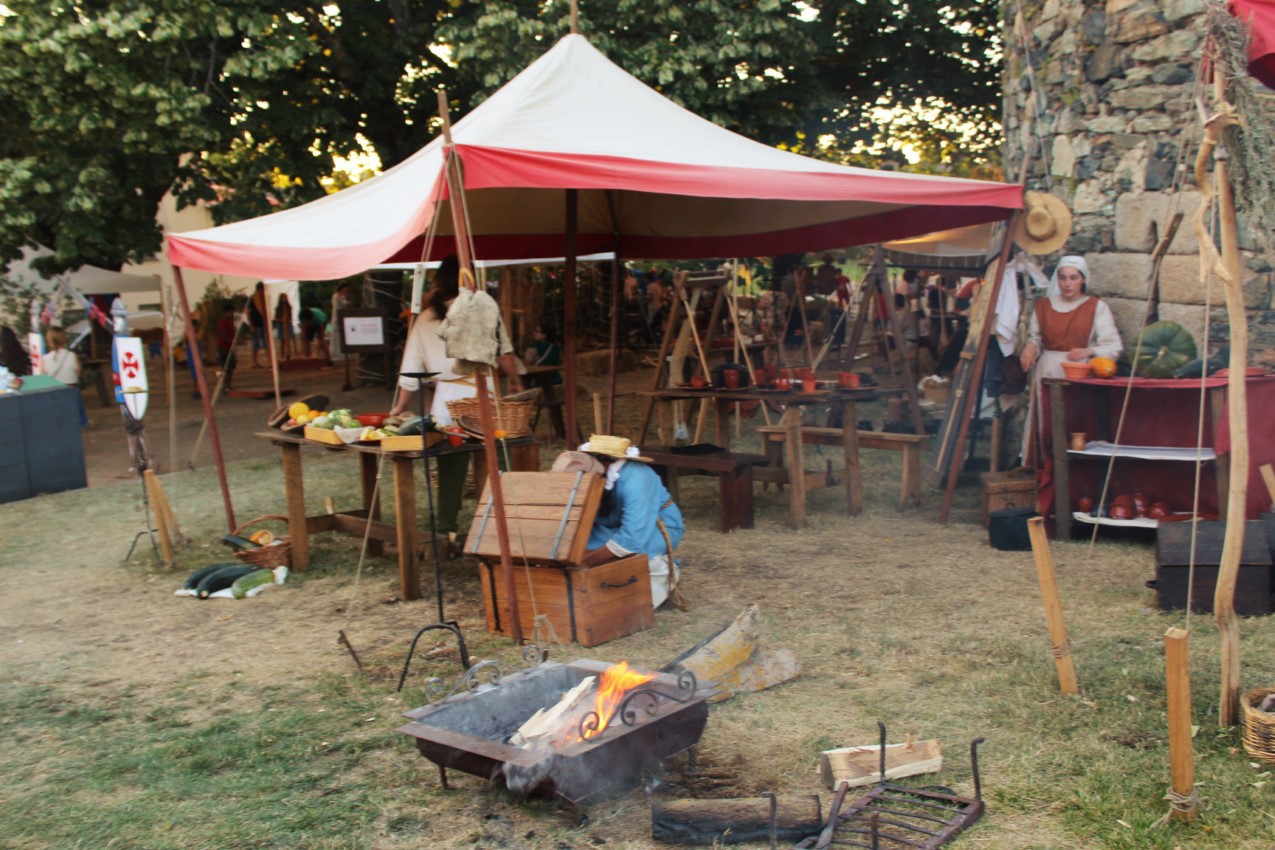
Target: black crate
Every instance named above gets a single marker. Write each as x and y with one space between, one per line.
1173 549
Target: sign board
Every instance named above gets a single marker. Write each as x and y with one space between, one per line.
362 330
131 386
35 351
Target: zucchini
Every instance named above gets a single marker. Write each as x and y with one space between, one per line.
193 580
244 584
222 579
234 541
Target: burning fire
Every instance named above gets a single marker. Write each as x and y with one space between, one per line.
616 681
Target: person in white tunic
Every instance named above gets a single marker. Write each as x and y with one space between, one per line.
426 351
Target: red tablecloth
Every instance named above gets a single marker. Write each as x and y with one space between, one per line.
1160 413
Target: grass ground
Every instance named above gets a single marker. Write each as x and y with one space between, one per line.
136 719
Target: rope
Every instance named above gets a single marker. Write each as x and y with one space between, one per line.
1179 804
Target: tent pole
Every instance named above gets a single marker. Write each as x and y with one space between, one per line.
616 288
192 346
569 320
274 360
170 379
456 189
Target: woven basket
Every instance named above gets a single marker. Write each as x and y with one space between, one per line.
266 557
1259 726
513 417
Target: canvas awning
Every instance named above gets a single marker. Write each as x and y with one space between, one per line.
86 280
1260 16
967 249
671 185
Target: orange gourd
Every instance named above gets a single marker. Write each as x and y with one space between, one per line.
1103 367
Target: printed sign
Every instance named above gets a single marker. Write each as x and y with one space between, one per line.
363 330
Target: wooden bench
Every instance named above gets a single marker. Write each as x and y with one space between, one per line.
909 444
734 471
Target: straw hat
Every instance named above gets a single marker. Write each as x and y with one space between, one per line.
1044 224
620 448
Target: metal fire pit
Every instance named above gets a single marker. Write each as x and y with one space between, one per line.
469 732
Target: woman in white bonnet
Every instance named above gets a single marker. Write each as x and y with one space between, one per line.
1069 323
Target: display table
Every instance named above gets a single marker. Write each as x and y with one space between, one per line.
1156 454
524 456
44 449
792 402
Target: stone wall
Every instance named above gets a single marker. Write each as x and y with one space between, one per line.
1115 80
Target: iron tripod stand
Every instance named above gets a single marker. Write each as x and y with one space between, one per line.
139 455
442 623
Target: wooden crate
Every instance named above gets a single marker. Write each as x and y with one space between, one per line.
322 435
1172 558
549 516
1013 489
585 605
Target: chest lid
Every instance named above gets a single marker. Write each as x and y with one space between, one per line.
549 516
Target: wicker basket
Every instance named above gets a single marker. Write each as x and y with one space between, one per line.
278 554
1259 726
513 417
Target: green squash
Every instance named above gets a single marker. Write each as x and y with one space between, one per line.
1165 347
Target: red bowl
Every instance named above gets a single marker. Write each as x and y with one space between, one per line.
371 420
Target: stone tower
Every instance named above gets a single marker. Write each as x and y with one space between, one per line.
1115 132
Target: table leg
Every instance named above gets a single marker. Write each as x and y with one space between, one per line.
721 408
409 574
736 491
1062 475
549 397
850 450
371 497
294 492
796 465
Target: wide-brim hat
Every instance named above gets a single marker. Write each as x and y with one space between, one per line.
1044 225
617 448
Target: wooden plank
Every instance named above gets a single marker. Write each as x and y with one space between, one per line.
535 506
1053 606
856 766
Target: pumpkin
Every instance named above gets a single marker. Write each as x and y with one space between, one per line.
1103 367
1165 347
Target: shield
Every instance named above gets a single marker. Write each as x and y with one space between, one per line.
131 387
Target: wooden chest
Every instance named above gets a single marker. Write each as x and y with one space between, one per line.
549 516
1013 489
1172 558
585 605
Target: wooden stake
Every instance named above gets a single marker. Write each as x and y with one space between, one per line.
1268 477
1177 664
1053 606
156 495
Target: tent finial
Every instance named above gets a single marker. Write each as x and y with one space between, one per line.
575 17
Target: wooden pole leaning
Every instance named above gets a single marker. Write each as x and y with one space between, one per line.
456 190
201 380
1177 666
1053 606
159 502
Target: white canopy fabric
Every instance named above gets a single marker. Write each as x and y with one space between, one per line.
655 181
86 280
964 248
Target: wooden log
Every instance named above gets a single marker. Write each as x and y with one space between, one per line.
735 821
1053 606
1177 663
555 721
856 766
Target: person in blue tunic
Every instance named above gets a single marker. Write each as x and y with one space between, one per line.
637 515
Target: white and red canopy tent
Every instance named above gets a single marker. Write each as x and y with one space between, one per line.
652 176
576 156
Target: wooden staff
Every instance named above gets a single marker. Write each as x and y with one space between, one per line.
1227 267
680 285
1177 665
748 360
1053 606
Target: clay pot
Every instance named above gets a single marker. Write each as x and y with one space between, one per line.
1084 504
1158 510
1123 499
1121 512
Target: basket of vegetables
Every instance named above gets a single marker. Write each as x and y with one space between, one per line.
262 548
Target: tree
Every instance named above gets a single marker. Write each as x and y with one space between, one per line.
101 101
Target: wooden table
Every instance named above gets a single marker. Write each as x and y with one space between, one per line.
524 456
733 470
792 402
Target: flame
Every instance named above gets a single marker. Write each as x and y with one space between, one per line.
615 683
